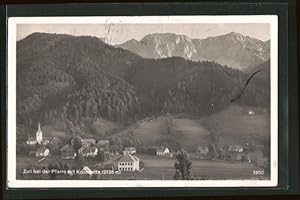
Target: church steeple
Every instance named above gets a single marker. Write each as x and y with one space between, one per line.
39 134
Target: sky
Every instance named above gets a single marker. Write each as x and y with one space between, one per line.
119 33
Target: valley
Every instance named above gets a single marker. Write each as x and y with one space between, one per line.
84 104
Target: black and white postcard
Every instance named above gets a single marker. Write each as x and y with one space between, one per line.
145 101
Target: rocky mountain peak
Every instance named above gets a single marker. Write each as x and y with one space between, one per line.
232 49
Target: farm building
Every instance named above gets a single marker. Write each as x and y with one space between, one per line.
87 151
129 150
42 152
163 151
128 163
67 152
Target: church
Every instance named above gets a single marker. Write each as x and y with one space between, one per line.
38 138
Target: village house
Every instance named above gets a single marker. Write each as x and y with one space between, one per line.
31 141
42 152
163 151
67 152
88 151
129 163
129 150
203 150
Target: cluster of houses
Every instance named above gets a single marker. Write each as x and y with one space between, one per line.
234 152
129 161
89 148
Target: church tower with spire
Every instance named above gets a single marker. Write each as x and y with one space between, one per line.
39 134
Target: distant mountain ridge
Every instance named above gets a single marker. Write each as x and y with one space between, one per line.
233 49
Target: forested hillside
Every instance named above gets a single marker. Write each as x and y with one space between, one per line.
64 78
177 85
72 81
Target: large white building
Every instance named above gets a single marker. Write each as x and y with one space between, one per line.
129 163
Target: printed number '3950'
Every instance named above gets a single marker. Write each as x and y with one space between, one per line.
258 172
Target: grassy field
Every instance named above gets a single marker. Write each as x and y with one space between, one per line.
234 126
159 168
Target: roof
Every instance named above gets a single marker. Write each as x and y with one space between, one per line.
102 142
129 148
89 141
128 158
88 149
161 149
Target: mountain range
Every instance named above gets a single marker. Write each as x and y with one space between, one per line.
74 81
233 49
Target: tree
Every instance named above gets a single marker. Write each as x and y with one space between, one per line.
77 143
101 156
115 145
182 166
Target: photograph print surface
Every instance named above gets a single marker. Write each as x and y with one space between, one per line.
181 101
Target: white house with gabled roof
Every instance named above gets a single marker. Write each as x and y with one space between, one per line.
129 163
